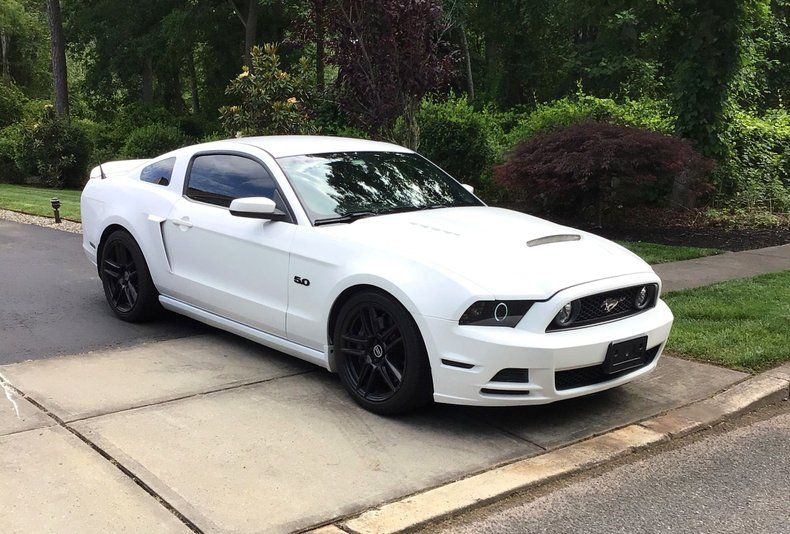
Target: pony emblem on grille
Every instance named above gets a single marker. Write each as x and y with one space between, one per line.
611 303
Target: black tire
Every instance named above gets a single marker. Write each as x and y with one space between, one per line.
128 287
380 355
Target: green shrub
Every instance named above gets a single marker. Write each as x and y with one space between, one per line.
153 140
756 172
10 138
132 116
649 114
54 151
107 141
12 102
195 126
456 137
35 108
213 136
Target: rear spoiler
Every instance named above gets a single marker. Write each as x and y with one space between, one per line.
111 169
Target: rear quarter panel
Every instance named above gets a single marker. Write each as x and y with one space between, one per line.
138 207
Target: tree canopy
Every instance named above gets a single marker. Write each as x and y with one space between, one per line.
715 68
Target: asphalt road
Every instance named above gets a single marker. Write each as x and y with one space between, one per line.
733 482
52 303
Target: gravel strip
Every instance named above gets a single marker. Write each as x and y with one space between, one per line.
47 222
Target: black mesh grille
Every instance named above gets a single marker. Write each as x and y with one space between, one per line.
619 303
511 375
587 376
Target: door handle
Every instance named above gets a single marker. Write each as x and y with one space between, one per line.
184 223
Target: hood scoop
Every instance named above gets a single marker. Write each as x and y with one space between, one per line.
553 239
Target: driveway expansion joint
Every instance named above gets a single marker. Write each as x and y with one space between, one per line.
104 454
230 387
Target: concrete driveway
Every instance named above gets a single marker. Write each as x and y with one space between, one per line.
173 427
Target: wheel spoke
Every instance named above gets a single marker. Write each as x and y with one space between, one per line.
365 316
131 293
123 296
112 269
354 339
394 370
115 294
386 377
394 343
353 352
390 330
366 379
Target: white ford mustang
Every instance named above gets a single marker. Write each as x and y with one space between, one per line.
365 258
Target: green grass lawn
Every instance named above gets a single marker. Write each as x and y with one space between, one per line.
655 253
35 200
743 324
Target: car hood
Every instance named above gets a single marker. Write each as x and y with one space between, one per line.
488 246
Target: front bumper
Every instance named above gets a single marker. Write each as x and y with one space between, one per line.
488 350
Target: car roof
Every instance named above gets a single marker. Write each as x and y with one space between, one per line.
294 145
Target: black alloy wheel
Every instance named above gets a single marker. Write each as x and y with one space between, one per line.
127 282
380 354
120 277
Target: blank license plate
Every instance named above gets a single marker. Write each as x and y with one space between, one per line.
625 355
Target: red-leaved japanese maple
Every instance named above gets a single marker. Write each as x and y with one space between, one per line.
588 168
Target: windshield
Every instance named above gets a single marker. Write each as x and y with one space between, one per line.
335 186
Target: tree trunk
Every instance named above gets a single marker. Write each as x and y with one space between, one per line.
147 93
318 7
250 29
59 76
170 88
410 109
4 53
470 84
193 86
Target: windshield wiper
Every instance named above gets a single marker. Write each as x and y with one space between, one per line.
345 218
403 209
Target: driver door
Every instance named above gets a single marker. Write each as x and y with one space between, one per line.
232 266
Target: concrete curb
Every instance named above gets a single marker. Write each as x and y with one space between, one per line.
456 497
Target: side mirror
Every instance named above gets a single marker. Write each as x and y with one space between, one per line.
256 208
469 188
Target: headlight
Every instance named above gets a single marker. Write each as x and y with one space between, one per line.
567 314
495 313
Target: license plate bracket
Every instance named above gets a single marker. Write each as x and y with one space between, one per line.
625 355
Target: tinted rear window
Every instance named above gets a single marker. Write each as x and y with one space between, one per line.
158 173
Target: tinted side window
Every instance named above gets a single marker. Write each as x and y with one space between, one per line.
159 173
220 178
